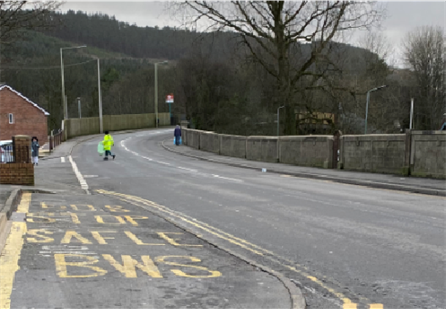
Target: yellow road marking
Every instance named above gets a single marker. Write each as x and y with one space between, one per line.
9 262
129 265
240 242
24 203
172 241
100 238
61 266
138 241
376 306
162 259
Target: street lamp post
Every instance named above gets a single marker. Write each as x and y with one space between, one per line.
101 126
156 91
278 129
367 104
64 100
278 119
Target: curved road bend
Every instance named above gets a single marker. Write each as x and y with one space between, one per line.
345 246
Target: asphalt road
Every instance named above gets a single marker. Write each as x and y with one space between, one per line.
343 245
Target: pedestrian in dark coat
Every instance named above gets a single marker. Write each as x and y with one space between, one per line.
177 134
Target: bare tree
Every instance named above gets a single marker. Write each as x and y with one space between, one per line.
16 16
425 54
272 31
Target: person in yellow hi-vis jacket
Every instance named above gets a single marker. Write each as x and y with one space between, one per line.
108 143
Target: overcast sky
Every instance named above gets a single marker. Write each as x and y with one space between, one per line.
402 17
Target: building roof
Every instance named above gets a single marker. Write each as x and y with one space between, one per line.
19 94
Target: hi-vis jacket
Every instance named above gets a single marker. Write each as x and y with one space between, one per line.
108 142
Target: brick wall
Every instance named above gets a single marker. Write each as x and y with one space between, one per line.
18 174
28 120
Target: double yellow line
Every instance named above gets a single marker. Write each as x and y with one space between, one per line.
301 270
9 259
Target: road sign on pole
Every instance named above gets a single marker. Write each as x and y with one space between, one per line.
169 98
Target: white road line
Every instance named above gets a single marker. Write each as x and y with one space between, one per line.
62 159
182 168
79 176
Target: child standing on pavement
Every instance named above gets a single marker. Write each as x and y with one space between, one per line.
108 143
35 150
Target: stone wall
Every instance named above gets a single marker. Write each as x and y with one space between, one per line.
309 151
418 153
234 146
373 153
428 154
209 142
261 148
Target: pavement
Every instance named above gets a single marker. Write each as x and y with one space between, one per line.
427 186
94 251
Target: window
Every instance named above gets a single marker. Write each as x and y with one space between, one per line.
11 118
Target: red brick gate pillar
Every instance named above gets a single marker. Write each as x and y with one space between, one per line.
22 149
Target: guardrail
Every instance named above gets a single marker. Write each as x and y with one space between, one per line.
7 153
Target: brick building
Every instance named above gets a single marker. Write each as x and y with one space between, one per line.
21 116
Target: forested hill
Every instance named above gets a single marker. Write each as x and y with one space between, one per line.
216 84
106 32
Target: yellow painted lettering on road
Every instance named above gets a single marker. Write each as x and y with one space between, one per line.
100 219
173 241
212 273
32 218
44 205
349 306
137 240
89 207
100 238
376 306
74 218
89 261
132 218
70 234
116 209
129 265
9 262
39 234
23 207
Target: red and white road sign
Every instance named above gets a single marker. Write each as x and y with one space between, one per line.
169 98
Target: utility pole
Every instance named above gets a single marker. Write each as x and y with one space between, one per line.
367 104
64 98
101 128
79 107
278 130
156 91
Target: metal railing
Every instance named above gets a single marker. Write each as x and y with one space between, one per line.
56 140
7 153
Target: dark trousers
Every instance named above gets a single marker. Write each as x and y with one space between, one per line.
107 152
177 140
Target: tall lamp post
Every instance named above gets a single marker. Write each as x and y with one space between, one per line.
278 131
367 104
278 119
156 90
64 100
101 127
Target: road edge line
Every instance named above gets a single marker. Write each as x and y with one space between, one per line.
79 176
296 295
370 184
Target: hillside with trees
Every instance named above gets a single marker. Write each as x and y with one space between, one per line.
217 83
